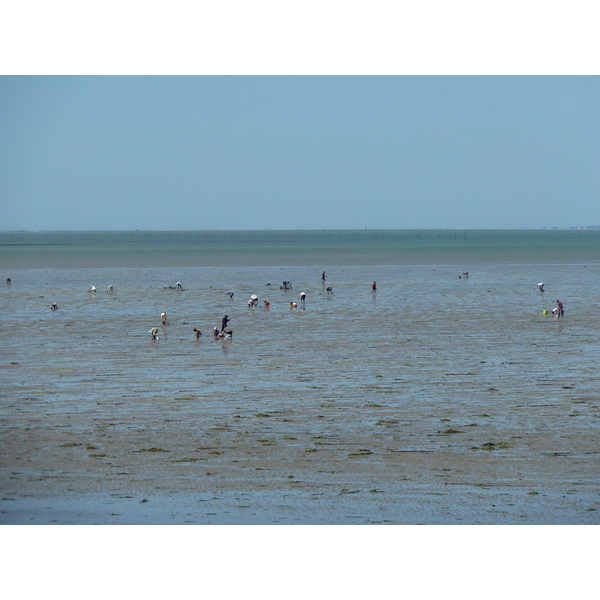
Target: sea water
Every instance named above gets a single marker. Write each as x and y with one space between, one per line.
434 364
56 249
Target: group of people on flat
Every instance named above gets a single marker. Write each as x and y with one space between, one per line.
558 310
227 332
253 301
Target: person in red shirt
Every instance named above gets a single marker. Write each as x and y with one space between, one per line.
559 305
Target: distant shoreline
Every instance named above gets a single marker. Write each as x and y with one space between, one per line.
569 228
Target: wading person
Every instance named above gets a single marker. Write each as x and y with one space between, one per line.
224 322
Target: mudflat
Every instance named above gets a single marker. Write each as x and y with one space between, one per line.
181 460
437 400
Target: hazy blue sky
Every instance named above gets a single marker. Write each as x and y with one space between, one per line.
296 152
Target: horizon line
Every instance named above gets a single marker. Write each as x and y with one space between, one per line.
546 228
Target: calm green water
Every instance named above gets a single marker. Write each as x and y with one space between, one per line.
62 249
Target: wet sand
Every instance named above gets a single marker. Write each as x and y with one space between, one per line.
174 460
378 412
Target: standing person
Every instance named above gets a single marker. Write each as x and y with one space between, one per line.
163 318
224 322
323 277
559 306
374 286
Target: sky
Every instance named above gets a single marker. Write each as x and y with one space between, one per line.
299 152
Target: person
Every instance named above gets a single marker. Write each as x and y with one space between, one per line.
329 290
110 288
227 333
178 286
8 281
54 306
92 288
374 286
163 318
560 309
153 333
323 277
302 297
267 304
215 332
198 333
230 294
287 285
293 304
541 287
224 322
466 275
